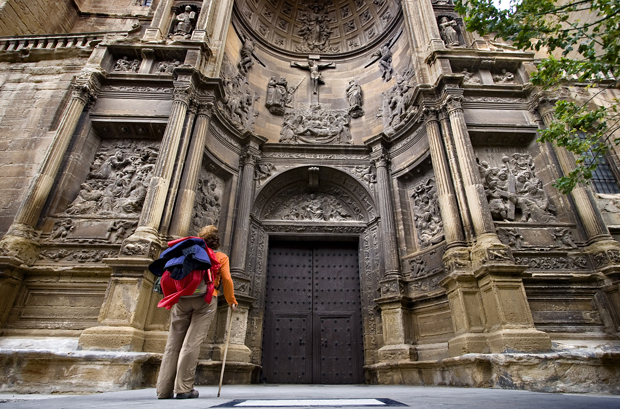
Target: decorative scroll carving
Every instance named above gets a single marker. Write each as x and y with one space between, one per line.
133 89
118 179
553 263
184 23
315 30
514 186
448 29
124 65
427 217
398 106
208 204
311 207
563 238
511 237
316 125
81 256
295 228
355 98
280 95
263 171
238 102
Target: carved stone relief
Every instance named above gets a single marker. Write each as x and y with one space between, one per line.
427 284
513 188
263 171
125 65
384 55
470 77
429 226
505 77
208 203
184 22
315 28
398 107
166 67
246 53
448 28
316 124
279 95
76 255
311 207
118 179
238 102
511 237
538 262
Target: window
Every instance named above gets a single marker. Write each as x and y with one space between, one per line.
603 179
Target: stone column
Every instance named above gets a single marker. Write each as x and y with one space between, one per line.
21 240
170 208
145 240
453 161
385 207
187 192
244 207
448 205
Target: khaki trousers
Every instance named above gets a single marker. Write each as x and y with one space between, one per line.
189 323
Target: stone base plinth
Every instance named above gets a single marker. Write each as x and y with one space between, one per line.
236 353
397 353
468 343
112 339
581 371
37 371
520 340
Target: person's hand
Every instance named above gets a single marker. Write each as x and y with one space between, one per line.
234 307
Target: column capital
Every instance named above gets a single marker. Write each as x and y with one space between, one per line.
86 86
249 156
184 93
206 109
430 114
453 103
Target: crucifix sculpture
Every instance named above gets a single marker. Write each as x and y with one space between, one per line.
315 75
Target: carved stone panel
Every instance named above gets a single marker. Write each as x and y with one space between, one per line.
514 191
316 124
117 182
397 108
208 203
427 217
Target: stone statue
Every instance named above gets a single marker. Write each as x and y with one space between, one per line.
385 62
246 55
506 77
354 96
428 222
185 22
315 29
315 74
449 34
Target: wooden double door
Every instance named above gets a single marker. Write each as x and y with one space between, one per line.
313 328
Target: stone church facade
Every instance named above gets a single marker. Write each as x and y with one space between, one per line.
373 170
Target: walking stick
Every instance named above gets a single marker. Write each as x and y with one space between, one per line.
229 316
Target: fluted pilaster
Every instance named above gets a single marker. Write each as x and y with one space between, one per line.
187 191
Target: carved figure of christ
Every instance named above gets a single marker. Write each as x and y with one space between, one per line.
315 75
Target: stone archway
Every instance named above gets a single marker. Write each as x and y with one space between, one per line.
316 204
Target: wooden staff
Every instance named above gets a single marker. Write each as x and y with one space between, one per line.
229 317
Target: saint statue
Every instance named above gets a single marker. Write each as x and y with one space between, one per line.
185 22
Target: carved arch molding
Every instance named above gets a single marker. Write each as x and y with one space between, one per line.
319 202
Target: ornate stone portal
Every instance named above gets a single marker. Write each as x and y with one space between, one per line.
391 132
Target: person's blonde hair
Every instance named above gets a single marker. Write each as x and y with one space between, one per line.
210 236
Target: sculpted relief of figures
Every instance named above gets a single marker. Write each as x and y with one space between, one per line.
238 102
124 65
315 30
118 179
311 207
427 217
208 203
513 187
280 95
316 125
398 106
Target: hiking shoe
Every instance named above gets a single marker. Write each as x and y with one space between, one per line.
188 395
